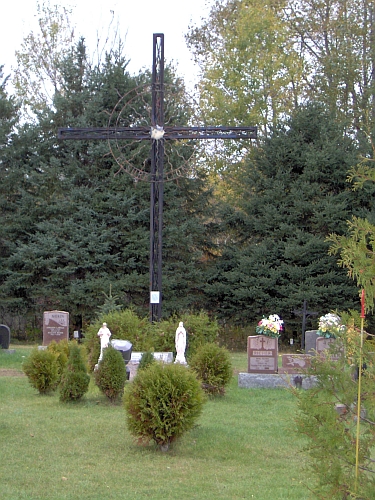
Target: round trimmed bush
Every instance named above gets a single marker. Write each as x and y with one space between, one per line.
110 376
162 403
75 379
213 367
42 370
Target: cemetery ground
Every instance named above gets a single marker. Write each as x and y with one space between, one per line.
243 447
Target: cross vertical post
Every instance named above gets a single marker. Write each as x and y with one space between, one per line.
157 179
305 314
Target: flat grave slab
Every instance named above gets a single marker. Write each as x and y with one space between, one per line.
274 380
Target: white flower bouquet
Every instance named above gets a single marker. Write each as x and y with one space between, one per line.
329 326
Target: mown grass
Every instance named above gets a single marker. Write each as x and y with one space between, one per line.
241 448
14 360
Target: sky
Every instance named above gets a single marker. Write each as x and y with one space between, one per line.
138 20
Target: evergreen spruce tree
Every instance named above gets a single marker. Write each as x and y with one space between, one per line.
293 194
9 118
75 227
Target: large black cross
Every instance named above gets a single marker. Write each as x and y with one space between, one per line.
157 133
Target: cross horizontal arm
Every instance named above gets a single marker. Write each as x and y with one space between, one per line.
307 313
135 133
210 132
170 133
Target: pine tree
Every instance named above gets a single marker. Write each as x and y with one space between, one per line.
292 195
76 227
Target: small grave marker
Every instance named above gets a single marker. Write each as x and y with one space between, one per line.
294 363
4 336
262 354
55 326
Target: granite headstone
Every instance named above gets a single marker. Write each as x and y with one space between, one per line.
262 353
4 336
322 347
310 342
294 363
55 326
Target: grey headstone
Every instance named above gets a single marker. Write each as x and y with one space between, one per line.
136 357
4 336
166 357
310 342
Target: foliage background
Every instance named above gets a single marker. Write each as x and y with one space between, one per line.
245 231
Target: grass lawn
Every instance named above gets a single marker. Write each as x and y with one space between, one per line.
242 448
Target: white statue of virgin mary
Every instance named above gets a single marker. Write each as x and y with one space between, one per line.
180 343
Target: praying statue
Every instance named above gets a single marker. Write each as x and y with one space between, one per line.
104 333
180 343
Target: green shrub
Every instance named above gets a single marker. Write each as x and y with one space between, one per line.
75 380
327 419
144 336
146 360
61 349
162 403
124 325
200 330
110 376
42 370
213 367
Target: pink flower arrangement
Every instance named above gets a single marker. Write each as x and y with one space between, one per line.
271 326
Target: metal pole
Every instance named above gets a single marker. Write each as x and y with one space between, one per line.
359 393
157 177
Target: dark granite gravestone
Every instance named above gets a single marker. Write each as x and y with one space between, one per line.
125 347
55 326
4 336
262 354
